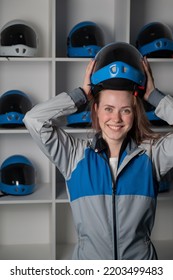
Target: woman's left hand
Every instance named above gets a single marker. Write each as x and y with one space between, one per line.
150 80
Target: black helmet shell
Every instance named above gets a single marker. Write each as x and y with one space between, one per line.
118 66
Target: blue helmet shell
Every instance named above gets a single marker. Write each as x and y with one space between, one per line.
84 40
13 106
81 119
155 40
150 114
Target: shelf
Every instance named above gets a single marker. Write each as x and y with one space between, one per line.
162 60
62 198
64 251
166 196
164 249
26 59
42 194
70 59
25 252
22 130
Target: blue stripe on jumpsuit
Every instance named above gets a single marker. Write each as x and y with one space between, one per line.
92 177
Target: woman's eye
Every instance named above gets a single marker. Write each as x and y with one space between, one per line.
126 111
108 109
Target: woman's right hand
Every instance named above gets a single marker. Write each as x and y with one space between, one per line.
87 82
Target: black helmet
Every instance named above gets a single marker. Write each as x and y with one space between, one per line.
84 40
155 40
13 106
118 66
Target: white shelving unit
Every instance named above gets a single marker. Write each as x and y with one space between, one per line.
40 226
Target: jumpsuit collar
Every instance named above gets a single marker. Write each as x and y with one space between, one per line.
100 145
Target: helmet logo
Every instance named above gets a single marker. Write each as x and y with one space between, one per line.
113 69
124 69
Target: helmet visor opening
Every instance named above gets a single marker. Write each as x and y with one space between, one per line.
14 103
154 32
18 174
18 34
87 35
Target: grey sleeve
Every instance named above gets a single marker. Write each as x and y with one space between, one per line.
162 155
163 104
155 97
162 150
41 121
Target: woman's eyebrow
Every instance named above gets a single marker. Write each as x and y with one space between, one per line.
125 106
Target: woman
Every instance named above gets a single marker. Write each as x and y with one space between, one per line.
112 180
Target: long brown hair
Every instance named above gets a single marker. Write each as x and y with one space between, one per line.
141 129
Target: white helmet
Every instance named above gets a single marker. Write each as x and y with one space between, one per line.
18 38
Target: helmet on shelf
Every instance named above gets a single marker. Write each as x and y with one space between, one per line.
151 116
165 185
13 106
17 176
80 119
155 40
118 67
84 40
18 38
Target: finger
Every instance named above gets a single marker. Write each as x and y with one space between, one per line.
147 67
90 66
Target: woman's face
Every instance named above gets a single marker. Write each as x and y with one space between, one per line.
115 114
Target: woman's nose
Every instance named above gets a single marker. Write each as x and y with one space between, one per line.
117 116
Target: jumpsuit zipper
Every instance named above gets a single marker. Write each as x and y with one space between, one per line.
114 221
113 209
123 147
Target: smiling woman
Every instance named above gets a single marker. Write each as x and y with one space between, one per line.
115 117
112 201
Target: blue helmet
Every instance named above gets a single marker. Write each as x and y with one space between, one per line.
151 116
155 40
84 40
17 176
81 118
165 184
13 106
118 67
